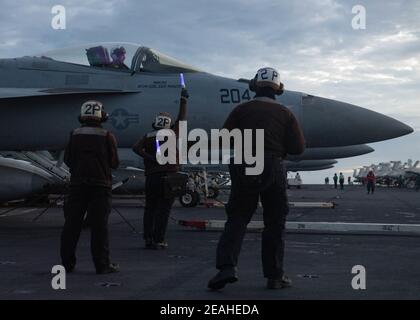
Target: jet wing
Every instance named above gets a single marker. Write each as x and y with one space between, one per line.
10 93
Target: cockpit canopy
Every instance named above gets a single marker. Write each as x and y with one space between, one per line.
119 57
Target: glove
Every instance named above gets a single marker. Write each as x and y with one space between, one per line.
184 93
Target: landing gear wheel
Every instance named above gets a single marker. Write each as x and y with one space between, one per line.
190 199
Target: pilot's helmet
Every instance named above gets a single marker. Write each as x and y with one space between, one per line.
163 121
267 77
92 111
118 53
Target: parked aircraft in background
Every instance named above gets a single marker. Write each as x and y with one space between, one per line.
393 173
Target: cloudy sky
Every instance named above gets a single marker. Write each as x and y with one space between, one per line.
311 42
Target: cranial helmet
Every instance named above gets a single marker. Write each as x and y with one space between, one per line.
117 53
163 121
267 77
94 111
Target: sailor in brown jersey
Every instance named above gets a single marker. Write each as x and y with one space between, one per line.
90 154
282 136
158 205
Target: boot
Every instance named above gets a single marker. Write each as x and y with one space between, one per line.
225 276
111 268
284 282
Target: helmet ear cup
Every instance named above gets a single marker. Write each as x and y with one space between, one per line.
280 91
253 84
104 116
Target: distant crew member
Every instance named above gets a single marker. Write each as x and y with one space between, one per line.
90 154
335 178
349 181
327 180
342 179
400 181
371 181
158 204
282 136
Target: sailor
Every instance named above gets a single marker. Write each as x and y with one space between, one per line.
158 204
282 136
335 179
342 179
400 181
90 154
371 180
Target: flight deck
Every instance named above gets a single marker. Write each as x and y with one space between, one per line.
319 263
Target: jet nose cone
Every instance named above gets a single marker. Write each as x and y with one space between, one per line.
329 122
368 149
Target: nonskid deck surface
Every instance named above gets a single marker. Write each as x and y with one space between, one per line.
320 265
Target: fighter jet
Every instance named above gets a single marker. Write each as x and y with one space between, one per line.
41 95
414 168
40 99
20 179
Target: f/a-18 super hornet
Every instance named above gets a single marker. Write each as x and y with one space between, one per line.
41 95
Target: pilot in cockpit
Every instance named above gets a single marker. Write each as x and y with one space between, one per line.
118 58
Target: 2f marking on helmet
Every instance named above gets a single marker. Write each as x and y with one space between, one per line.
264 76
163 122
92 109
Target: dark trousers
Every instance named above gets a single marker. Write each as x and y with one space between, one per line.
240 209
157 209
96 201
370 187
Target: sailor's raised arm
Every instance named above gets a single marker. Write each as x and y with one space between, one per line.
182 113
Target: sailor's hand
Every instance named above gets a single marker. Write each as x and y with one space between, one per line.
184 94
